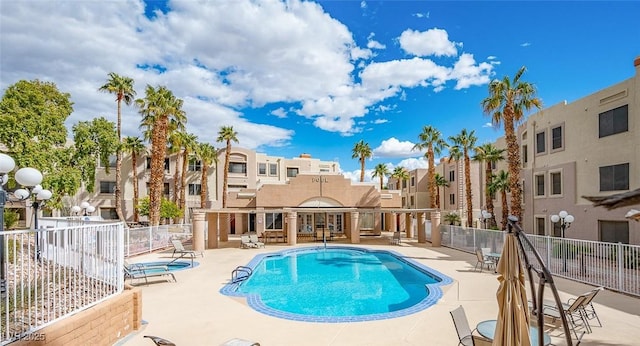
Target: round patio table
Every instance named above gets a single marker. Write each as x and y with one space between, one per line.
488 329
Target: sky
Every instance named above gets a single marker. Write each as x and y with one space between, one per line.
296 77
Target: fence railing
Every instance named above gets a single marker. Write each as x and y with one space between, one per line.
148 239
55 272
612 265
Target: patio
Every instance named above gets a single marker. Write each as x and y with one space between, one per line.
193 312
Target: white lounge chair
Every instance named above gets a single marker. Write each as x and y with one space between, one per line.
253 239
245 242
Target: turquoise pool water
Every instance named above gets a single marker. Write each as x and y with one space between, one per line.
338 284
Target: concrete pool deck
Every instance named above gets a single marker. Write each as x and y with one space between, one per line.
194 312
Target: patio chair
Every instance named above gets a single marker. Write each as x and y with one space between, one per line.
465 334
588 311
140 271
396 239
573 313
483 261
245 242
253 239
160 341
179 249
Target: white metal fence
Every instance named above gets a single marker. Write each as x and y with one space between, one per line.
148 239
55 272
613 265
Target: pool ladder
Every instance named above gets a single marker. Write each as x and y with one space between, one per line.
241 273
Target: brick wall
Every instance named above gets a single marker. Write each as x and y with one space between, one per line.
103 324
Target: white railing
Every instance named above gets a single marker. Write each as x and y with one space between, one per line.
612 265
53 273
148 239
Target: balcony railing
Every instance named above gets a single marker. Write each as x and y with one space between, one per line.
78 267
615 266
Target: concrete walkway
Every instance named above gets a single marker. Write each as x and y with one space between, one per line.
193 312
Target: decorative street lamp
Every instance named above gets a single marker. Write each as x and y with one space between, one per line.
485 216
85 207
7 164
31 178
565 220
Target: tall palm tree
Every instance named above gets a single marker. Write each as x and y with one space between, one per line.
135 147
189 145
122 87
400 174
488 154
207 154
439 181
174 142
161 112
361 151
455 154
431 139
500 183
507 102
227 135
381 170
466 141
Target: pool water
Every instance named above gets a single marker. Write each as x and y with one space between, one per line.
339 284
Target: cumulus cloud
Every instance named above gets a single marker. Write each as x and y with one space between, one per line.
392 147
280 113
525 44
422 15
487 125
380 121
425 43
413 163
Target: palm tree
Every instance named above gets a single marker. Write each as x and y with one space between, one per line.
466 141
226 134
439 181
500 183
507 102
431 139
161 112
455 154
189 145
489 154
135 147
381 170
122 87
207 154
452 218
361 151
400 174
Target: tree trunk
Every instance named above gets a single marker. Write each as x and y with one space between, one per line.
183 183
513 158
505 210
431 173
134 164
488 199
158 147
118 191
204 187
227 155
361 169
467 185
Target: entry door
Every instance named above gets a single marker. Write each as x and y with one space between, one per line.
318 218
306 223
252 223
334 222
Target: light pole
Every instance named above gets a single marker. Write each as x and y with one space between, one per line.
565 220
31 178
7 164
485 216
85 207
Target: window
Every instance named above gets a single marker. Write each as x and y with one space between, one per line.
452 175
237 187
292 172
525 157
413 182
195 165
541 138
557 141
539 181
108 213
195 189
367 221
452 198
273 221
325 168
166 164
404 184
112 161
165 189
411 201
238 167
262 168
615 177
107 186
273 169
540 223
614 231
556 183
613 121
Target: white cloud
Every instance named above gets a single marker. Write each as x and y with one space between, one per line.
525 44
413 163
380 121
431 42
487 125
422 15
280 113
373 44
363 4
468 73
392 147
492 57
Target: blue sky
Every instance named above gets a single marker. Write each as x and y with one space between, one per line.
316 77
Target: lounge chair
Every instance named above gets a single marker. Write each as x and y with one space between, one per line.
179 249
483 261
253 238
240 342
160 341
245 242
465 334
140 271
573 314
587 310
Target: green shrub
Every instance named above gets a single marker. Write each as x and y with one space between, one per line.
564 250
10 218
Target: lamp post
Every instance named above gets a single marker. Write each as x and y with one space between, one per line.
565 220
31 178
485 216
85 207
7 164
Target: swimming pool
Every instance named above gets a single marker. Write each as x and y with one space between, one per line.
151 267
338 284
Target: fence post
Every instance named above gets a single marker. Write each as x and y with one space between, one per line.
151 238
620 255
549 254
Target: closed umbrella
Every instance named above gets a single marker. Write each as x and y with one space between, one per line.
512 327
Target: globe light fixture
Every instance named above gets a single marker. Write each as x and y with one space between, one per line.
31 178
565 219
7 164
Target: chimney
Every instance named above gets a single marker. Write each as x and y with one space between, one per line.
305 156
